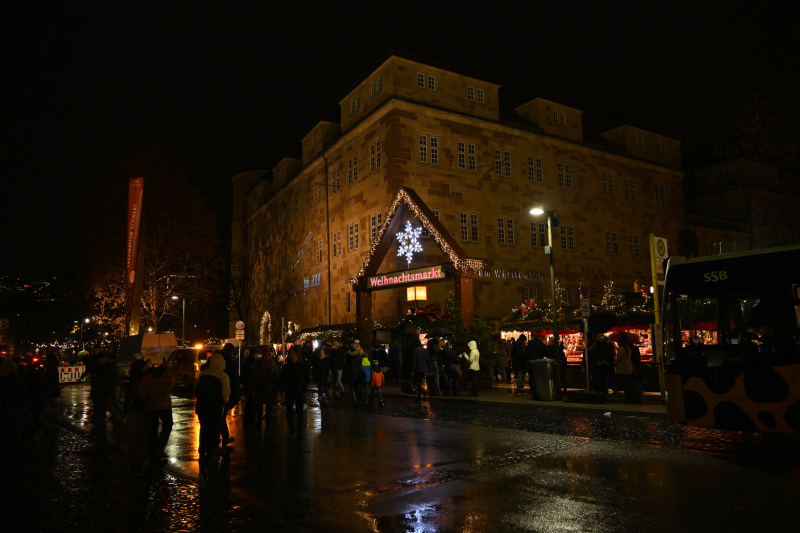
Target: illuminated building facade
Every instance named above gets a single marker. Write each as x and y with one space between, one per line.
304 230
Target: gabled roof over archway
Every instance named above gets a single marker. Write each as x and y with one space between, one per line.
408 202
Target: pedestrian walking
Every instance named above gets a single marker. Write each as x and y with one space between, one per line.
213 392
623 366
353 364
266 384
452 367
420 366
365 377
104 377
520 362
247 385
435 352
156 392
474 365
337 367
295 377
232 369
134 435
376 381
322 369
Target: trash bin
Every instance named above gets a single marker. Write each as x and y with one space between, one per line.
548 385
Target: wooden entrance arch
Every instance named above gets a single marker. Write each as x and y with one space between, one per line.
460 267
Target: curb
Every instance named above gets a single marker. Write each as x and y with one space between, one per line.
558 406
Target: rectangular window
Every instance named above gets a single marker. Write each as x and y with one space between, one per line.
633 246
318 251
473 225
353 236
372 90
352 106
480 96
563 119
510 230
435 150
612 244
335 180
507 163
462 163
501 230
464 227
555 117
378 154
350 171
471 93
317 193
355 168
472 157
380 84
630 190
420 80
569 175
371 157
432 83
358 103
423 148
638 140
531 169
608 184
661 196
498 162
568 238
374 226
336 245
538 235
561 174
350 237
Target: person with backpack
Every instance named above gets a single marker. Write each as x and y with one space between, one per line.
212 391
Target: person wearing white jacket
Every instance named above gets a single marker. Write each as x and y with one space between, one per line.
474 365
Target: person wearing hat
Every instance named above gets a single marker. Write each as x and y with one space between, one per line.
337 367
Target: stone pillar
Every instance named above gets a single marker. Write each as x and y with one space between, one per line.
364 318
465 299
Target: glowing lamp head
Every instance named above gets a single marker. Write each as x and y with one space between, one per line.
149 329
537 211
198 346
174 297
87 320
652 289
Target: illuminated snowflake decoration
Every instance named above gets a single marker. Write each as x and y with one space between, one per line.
409 242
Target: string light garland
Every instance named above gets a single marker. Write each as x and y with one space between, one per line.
463 264
268 319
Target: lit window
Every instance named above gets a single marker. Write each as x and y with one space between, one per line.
471 93
472 165
462 163
507 163
435 150
423 148
420 80
498 162
480 96
432 83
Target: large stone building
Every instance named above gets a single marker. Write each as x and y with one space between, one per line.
305 229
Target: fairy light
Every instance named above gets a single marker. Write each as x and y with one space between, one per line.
464 264
268 319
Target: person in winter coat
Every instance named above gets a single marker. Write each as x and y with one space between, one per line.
420 366
376 381
322 369
383 359
452 367
337 367
53 387
519 361
266 384
535 349
623 365
156 392
232 369
295 377
212 390
104 386
247 385
366 369
474 358
435 353
353 365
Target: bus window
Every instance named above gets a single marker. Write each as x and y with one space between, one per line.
697 318
741 318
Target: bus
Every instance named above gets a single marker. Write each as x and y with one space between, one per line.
731 329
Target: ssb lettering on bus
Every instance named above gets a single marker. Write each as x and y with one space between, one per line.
715 275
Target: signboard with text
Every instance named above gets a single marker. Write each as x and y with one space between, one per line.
396 279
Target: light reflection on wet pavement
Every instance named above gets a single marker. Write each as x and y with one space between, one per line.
439 466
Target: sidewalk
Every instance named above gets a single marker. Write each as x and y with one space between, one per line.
651 406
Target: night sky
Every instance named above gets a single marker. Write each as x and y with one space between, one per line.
235 88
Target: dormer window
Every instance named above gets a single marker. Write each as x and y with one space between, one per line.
471 93
355 104
480 96
662 147
420 80
375 87
432 83
638 140
559 118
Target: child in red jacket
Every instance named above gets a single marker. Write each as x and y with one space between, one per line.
376 382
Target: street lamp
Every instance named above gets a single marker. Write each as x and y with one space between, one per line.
552 222
183 316
85 321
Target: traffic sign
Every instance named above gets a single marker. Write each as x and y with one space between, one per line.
586 308
240 334
660 253
239 325
584 289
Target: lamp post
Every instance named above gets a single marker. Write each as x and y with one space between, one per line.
183 317
552 222
85 321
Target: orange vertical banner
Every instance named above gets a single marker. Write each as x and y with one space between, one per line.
135 195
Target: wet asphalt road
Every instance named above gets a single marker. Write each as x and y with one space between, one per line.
441 466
